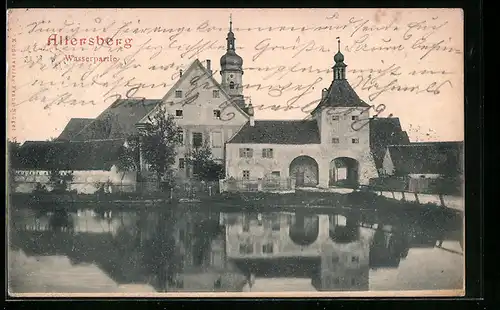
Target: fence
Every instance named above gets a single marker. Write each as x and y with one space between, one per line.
181 189
257 185
442 185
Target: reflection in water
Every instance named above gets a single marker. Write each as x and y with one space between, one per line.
175 249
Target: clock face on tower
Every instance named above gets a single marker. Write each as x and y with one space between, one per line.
231 76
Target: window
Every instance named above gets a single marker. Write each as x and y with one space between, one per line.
180 136
246 225
275 224
335 140
178 113
354 117
355 259
259 219
275 174
336 281
267 153
335 260
217 114
355 140
216 139
246 152
178 94
353 281
246 248
335 118
231 85
215 93
246 175
182 163
267 248
197 139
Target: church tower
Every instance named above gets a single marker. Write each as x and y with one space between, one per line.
232 68
344 124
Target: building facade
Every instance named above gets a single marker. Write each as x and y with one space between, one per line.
330 148
208 113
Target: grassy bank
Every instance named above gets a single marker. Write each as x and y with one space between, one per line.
257 201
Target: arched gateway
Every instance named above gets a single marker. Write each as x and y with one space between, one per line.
305 171
344 171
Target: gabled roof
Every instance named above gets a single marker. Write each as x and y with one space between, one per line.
279 132
445 158
341 94
74 126
209 76
69 155
384 132
118 120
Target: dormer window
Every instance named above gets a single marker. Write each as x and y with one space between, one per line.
335 140
231 85
335 118
217 114
178 94
354 117
215 93
178 113
355 140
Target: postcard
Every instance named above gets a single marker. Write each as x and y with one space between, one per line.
235 152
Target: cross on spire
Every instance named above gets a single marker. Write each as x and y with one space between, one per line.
338 41
230 22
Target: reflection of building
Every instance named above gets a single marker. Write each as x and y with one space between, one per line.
345 257
273 235
336 251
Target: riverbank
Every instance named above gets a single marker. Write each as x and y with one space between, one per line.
256 201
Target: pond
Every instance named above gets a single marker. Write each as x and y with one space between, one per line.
103 250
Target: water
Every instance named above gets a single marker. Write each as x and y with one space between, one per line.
70 250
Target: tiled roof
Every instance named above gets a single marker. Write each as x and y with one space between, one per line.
65 155
279 132
118 120
384 132
74 126
445 158
341 94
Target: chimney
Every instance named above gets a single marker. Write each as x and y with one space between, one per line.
324 93
250 113
180 73
209 66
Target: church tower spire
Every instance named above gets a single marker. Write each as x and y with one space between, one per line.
232 66
340 66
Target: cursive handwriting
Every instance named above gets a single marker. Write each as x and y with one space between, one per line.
279 66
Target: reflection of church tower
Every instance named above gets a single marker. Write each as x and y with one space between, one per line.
232 69
345 258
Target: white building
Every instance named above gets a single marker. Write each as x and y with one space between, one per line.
330 148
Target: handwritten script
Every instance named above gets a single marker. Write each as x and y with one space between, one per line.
286 65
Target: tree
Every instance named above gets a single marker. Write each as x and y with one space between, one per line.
205 168
158 142
129 159
60 181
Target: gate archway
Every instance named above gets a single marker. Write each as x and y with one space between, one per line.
344 172
305 171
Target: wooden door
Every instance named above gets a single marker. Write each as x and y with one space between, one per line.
299 178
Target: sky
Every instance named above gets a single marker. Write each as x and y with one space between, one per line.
407 63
